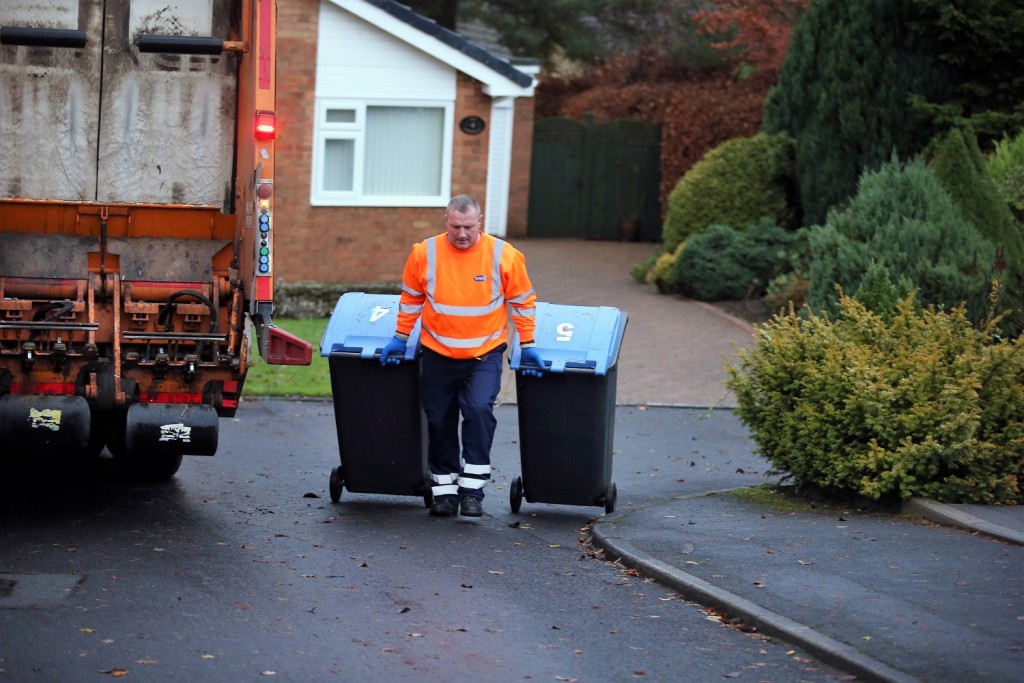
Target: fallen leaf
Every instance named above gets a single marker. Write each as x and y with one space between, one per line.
804 562
87 630
758 584
268 673
568 680
116 673
208 656
494 571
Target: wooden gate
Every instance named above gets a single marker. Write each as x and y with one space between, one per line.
595 181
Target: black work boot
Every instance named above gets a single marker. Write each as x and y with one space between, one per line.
471 507
443 507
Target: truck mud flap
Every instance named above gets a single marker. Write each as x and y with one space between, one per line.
171 429
47 423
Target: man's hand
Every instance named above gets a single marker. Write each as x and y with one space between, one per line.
393 352
531 356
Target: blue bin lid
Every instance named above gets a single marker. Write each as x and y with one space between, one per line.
363 323
576 337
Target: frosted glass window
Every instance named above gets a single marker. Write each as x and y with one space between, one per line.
404 148
339 165
382 153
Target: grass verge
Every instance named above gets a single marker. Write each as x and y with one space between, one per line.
293 380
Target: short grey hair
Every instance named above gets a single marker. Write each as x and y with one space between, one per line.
462 203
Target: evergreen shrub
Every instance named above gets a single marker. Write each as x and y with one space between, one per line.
1006 167
738 183
907 401
903 219
723 263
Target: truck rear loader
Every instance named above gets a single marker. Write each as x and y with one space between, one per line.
136 224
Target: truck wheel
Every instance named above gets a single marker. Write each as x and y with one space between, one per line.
156 467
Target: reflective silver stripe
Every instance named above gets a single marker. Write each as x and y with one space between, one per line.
474 476
446 490
524 312
410 308
467 311
453 343
431 249
444 484
496 293
467 483
411 292
521 298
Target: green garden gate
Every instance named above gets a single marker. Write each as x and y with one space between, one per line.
591 181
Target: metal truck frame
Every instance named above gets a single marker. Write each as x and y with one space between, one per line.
136 224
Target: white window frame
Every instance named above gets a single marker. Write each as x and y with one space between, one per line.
323 131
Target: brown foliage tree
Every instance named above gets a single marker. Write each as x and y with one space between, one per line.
755 32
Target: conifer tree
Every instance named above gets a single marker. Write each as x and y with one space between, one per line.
844 94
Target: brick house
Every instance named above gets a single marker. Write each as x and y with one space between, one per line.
383 115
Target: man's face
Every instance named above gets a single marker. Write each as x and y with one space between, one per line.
463 228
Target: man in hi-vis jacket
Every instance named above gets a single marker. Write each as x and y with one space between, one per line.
461 285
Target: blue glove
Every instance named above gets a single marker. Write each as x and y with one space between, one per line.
395 348
531 356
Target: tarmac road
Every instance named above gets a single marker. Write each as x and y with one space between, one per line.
887 597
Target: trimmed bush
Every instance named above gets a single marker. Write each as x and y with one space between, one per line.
737 183
1006 167
664 266
723 263
911 403
903 219
960 168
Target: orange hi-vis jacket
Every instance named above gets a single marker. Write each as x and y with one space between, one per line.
462 297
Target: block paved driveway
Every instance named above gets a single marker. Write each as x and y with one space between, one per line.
674 349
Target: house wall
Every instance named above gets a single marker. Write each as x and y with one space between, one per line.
355 244
519 181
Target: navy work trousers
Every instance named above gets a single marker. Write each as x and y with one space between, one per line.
450 387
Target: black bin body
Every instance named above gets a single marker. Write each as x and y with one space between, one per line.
566 432
567 415
381 428
382 432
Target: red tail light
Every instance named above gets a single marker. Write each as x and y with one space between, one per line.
266 125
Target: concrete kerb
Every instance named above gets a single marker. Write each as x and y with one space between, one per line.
829 651
948 515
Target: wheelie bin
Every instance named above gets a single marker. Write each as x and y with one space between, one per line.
567 415
381 426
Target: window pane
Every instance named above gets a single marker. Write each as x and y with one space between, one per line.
341 116
339 162
404 151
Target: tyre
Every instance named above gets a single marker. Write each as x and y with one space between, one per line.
609 498
515 494
336 484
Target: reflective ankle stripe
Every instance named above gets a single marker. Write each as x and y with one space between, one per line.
444 485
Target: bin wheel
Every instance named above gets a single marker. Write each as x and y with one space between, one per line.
515 494
609 498
428 493
336 483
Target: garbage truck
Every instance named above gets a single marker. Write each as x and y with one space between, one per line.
136 225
